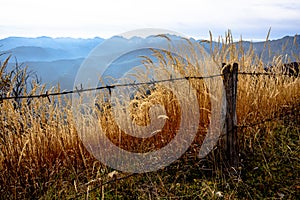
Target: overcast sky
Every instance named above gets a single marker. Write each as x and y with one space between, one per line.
91 18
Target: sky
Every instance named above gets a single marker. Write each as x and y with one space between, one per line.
250 19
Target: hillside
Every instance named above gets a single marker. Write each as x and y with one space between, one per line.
54 59
48 49
287 46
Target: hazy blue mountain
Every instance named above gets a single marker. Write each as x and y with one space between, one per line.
288 46
58 59
32 53
48 42
117 56
51 73
48 49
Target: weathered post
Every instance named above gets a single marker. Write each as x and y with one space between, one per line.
230 74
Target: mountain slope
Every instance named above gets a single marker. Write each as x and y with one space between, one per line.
288 46
32 53
58 59
48 49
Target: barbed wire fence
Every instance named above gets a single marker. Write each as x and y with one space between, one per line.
109 87
47 94
231 102
233 158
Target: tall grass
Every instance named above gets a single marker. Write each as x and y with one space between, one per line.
42 155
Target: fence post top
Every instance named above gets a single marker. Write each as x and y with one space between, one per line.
229 68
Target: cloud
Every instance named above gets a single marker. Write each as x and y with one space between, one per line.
106 18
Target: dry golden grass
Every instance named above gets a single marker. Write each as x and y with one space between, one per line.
42 156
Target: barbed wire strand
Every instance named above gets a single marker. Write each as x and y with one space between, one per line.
264 74
109 87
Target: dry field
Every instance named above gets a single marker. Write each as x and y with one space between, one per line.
42 156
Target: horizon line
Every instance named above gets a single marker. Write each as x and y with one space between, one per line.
104 38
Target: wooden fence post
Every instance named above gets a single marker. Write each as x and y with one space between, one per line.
230 74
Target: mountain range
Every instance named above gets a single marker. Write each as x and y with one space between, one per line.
58 59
